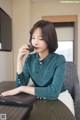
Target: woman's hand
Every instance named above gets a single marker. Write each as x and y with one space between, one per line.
11 92
24 89
23 51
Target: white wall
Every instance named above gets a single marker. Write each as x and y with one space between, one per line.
6 58
55 8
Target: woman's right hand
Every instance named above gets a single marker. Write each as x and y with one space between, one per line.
23 51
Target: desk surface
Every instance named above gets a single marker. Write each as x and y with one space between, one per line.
43 109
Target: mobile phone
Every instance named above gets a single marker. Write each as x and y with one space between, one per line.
31 48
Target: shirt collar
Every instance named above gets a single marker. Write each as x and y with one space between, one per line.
46 59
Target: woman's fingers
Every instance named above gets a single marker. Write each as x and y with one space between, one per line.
23 51
11 92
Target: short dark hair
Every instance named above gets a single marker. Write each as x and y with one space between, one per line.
48 33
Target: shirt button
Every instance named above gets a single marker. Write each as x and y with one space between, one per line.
19 80
38 97
44 97
40 62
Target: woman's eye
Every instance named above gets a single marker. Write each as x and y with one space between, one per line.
40 38
37 38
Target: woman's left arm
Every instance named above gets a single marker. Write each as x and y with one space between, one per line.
25 89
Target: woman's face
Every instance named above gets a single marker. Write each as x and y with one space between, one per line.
37 41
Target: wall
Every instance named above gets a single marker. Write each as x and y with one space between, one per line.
6 58
21 25
6 5
54 8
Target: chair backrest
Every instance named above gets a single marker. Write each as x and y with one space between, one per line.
71 77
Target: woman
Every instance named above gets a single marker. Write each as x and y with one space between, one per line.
44 67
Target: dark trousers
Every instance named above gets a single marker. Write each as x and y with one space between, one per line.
50 110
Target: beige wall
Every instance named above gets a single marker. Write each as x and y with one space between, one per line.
6 58
40 9
6 5
21 25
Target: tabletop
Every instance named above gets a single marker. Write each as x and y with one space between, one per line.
42 109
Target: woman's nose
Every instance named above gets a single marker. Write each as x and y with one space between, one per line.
36 42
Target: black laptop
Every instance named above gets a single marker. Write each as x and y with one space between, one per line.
21 99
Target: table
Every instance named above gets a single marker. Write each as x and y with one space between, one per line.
42 109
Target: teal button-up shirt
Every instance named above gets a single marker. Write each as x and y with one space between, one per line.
47 75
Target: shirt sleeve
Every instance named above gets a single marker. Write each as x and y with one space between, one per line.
52 91
23 78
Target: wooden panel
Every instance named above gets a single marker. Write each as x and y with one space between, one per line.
68 18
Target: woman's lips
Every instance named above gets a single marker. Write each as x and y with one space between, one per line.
36 48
